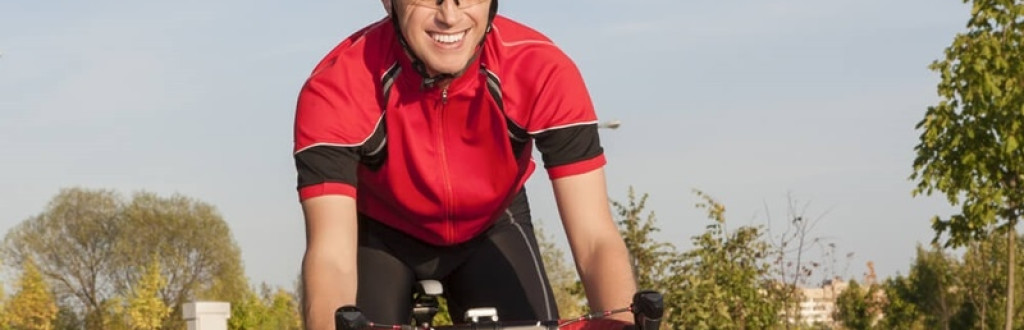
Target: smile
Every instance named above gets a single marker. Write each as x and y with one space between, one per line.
448 38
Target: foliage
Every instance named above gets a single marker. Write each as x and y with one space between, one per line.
970 148
93 247
192 242
248 312
859 307
271 309
443 317
32 306
900 310
982 275
651 259
946 292
723 282
653 262
146 311
71 243
283 310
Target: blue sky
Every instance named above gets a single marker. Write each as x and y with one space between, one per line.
749 101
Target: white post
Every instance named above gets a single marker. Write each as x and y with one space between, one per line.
207 315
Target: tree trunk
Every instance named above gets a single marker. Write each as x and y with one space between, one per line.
1012 248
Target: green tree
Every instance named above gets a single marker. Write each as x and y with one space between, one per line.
249 312
935 282
899 309
282 310
146 311
651 259
859 307
723 282
194 245
982 277
93 247
271 309
33 306
982 284
970 148
71 243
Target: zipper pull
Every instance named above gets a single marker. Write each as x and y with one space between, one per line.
444 95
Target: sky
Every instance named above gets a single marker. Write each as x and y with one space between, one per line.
761 104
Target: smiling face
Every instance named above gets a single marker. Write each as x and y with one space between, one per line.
443 36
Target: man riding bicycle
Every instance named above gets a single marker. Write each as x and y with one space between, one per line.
413 141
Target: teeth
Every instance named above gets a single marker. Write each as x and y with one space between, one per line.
448 38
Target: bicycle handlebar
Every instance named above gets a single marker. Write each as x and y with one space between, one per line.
647 308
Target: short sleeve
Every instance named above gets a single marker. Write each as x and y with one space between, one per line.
332 123
563 122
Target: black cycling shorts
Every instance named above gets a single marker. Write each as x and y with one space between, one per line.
501 268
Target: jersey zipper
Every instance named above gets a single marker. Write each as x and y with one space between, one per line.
448 203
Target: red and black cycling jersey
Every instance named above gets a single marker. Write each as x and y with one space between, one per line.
440 164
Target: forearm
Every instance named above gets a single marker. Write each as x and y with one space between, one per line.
602 259
329 264
607 276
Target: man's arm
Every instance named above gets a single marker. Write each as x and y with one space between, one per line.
329 265
601 256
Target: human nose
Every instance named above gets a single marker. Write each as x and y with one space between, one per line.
448 12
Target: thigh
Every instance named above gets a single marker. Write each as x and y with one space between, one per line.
506 272
385 286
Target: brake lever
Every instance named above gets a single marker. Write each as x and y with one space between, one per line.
350 318
648 308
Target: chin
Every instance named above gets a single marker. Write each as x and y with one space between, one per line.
448 68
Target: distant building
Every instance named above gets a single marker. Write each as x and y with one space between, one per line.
819 304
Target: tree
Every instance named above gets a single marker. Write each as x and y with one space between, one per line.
247 313
3 309
282 310
982 275
271 309
651 259
193 244
935 282
71 244
899 309
33 306
723 282
970 147
93 248
792 265
981 284
66 319
146 311
859 307
111 315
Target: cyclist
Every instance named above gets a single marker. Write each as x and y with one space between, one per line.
413 141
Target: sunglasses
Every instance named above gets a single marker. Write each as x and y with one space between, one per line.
436 4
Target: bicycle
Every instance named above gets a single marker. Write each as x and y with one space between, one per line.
647 308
